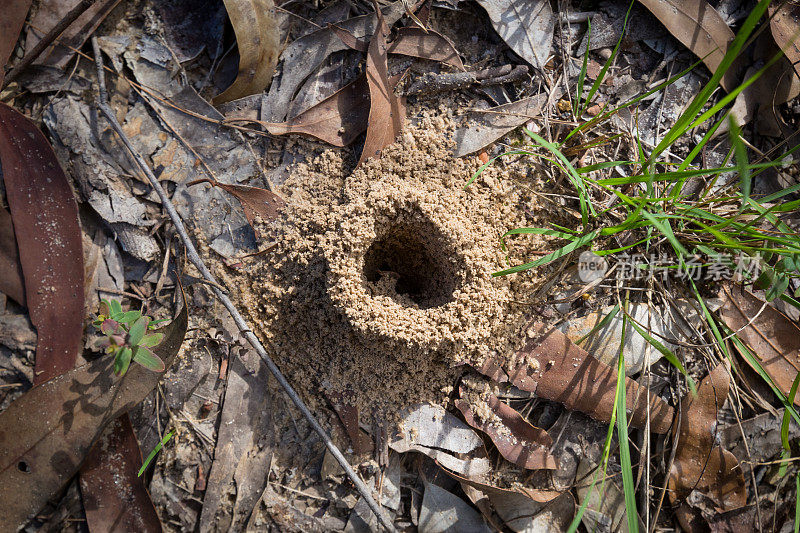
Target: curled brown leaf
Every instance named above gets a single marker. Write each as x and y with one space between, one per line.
386 112
699 465
517 440
553 367
257 37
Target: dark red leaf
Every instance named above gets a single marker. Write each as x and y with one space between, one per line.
114 496
45 218
11 21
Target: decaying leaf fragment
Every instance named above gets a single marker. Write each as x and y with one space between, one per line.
700 28
386 111
47 433
344 403
257 37
516 439
553 367
699 465
45 217
771 336
431 430
256 202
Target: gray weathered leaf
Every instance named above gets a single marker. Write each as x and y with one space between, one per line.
433 431
488 127
525 25
443 512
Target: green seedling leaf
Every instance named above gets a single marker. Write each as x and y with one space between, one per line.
787 416
151 339
778 287
138 329
148 359
114 307
157 449
122 361
128 317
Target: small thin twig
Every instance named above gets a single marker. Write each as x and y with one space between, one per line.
436 83
47 40
197 261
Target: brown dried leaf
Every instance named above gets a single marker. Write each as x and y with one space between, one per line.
344 404
771 336
484 485
114 496
410 41
11 23
258 39
699 465
486 128
516 439
386 113
553 367
785 25
51 253
416 42
11 282
256 202
700 28
337 120
299 64
47 433
778 84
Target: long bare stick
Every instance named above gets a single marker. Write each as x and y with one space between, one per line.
194 257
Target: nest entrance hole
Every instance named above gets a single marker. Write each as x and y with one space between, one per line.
416 258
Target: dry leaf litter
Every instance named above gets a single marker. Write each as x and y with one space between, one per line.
380 283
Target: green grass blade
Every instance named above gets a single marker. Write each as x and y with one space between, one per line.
552 256
628 486
153 453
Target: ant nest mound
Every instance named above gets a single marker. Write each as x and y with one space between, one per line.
380 283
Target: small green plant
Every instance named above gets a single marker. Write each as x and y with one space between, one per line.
155 451
126 337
